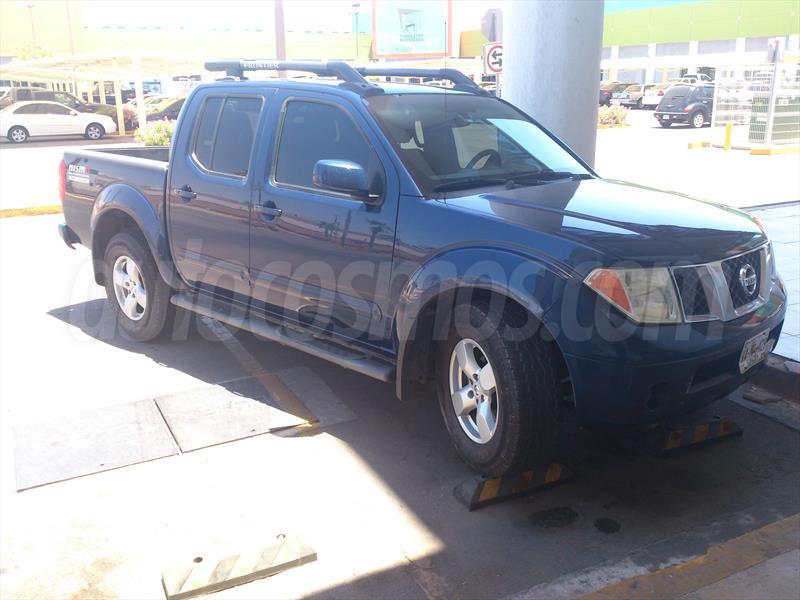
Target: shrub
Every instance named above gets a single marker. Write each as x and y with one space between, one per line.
157 133
612 115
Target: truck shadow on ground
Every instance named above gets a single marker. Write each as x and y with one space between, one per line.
622 500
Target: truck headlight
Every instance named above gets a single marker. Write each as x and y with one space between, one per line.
645 295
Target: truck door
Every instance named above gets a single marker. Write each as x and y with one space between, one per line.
319 256
210 189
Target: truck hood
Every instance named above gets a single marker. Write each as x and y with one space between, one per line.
623 221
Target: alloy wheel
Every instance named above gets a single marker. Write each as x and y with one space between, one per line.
473 391
18 135
129 288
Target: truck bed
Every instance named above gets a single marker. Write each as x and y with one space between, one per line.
135 171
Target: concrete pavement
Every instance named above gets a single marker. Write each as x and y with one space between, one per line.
647 154
783 225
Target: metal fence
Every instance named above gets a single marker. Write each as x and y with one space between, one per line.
762 102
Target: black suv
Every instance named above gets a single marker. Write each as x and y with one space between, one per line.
686 103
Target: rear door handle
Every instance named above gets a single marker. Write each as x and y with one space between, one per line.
185 193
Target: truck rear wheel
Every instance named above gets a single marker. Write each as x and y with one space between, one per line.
497 392
135 289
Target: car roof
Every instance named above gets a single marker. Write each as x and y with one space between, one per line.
18 104
331 85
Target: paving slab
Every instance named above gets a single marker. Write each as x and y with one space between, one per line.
89 442
221 413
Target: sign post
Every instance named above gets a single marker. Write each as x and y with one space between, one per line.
493 62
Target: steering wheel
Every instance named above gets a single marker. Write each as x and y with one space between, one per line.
492 154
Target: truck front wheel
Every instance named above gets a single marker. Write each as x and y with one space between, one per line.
497 391
136 291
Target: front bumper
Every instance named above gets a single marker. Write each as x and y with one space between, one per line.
657 372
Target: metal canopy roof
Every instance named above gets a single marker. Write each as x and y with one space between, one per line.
93 67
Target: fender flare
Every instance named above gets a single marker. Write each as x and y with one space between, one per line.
533 282
120 197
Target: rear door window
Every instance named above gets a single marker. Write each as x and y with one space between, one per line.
225 132
29 109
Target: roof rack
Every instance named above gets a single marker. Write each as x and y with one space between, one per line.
460 81
351 79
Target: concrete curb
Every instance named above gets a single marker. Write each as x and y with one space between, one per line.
31 211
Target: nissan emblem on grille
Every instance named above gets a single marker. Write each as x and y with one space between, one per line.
747 277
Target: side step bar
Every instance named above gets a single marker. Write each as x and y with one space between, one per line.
299 341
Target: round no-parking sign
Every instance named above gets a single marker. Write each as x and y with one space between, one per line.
493 59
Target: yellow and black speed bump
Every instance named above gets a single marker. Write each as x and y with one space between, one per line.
666 439
205 575
478 492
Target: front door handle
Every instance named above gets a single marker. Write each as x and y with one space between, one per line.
269 211
185 193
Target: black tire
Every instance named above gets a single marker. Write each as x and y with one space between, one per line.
94 131
527 427
698 119
18 134
158 311
665 124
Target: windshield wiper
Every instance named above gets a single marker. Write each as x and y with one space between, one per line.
470 182
536 177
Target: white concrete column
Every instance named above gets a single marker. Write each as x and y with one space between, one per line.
691 63
650 69
141 115
552 66
613 69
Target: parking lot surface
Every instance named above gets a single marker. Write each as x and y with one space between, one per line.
370 490
645 153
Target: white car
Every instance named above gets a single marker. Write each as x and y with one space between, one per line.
654 94
22 120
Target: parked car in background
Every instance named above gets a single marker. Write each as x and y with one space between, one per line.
686 103
607 90
168 109
23 120
127 92
693 78
23 94
632 95
150 100
653 95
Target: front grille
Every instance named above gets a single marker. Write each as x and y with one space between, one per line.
690 288
732 269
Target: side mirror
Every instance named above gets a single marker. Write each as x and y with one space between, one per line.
73 113
343 176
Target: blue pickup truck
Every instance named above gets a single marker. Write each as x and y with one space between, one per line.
429 236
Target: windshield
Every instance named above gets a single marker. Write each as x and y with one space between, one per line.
447 138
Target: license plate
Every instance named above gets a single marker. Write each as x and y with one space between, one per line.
754 351
665 118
